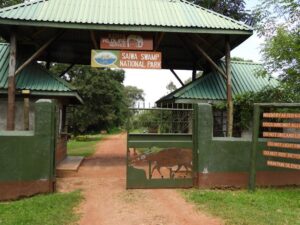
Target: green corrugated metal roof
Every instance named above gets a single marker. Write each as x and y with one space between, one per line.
34 77
213 87
138 13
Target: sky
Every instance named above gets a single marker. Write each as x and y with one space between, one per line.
154 82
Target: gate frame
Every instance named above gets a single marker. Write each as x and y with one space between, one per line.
194 144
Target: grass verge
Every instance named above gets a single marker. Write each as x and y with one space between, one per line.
264 207
43 209
84 147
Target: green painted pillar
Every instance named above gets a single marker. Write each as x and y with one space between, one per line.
46 131
255 136
204 134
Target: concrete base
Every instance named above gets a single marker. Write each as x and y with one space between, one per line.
240 180
69 165
21 189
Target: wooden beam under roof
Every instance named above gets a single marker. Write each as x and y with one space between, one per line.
38 53
177 77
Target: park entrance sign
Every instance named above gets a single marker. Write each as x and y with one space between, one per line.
115 52
126 59
127 41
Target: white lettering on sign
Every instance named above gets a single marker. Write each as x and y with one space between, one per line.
129 55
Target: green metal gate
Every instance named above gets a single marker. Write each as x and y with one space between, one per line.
160 148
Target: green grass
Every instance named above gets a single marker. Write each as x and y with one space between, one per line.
264 207
84 147
52 209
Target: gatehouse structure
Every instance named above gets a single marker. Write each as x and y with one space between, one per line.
102 33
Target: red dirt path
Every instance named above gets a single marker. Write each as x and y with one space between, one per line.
102 181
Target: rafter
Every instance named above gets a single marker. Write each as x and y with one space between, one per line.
175 74
38 53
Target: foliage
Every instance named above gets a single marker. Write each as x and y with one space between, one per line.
106 100
265 206
239 59
6 3
133 95
103 95
244 103
171 87
234 9
44 209
83 145
279 23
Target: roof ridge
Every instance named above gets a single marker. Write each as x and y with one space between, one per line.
21 5
217 14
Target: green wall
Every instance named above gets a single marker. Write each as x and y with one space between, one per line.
29 155
224 154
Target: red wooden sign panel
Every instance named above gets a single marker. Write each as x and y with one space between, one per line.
282 125
127 41
281 135
281 154
282 115
283 165
283 145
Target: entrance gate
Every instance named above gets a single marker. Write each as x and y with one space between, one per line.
160 148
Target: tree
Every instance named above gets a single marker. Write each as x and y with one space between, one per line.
279 23
171 87
133 95
103 94
6 3
239 59
234 9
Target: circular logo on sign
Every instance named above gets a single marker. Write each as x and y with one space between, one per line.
105 58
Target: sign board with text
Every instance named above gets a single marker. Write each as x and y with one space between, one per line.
127 41
126 59
278 153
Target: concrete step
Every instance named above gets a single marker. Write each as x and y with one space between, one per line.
69 166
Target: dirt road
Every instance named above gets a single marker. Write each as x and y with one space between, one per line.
102 180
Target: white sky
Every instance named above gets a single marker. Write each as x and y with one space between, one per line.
154 82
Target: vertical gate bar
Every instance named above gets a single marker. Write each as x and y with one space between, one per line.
150 175
127 164
255 135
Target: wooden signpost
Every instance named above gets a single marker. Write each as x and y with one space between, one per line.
282 147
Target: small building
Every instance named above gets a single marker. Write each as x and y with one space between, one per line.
33 83
211 88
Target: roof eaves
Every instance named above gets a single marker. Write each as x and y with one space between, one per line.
136 28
